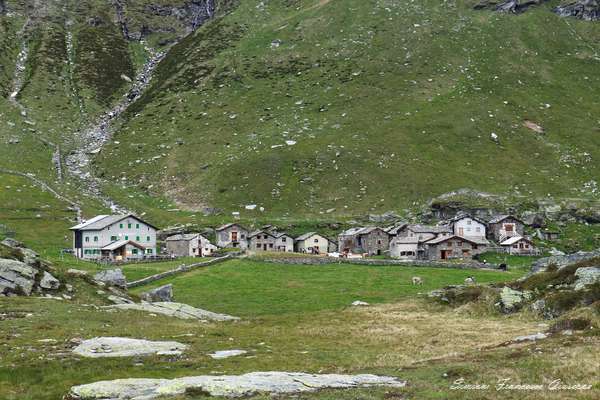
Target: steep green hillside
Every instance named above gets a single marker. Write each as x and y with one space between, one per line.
301 107
387 103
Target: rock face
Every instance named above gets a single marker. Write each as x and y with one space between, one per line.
273 383
16 277
511 300
560 262
586 276
588 10
177 310
126 347
160 294
112 277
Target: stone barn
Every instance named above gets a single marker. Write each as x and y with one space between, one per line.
449 247
232 235
502 227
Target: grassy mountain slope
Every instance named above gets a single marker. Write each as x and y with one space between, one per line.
383 104
388 102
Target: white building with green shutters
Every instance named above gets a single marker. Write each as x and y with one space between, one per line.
114 238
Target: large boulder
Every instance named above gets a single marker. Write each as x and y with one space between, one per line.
126 347
16 277
112 277
160 294
561 262
49 282
586 276
512 300
232 386
509 6
176 310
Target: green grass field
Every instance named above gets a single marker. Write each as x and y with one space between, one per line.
295 318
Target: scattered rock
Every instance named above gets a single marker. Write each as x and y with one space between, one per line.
160 294
254 383
112 277
217 355
126 347
533 126
177 310
537 336
77 272
586 276
119 299
49 282
359 303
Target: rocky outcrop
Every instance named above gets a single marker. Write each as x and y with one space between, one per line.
219 355
560 262
255 383
126 347
112 277
587 10
23 273
512 300
177 310
509 6
586 276
160 294
2 7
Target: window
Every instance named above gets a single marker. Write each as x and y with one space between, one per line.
147 238
478 229
148 251
126 237
459 244
121 226
515 246
468 222
243 236
258 245
378 241
87 239
86 252
137 226
113 238
284 239
128 226
270 245
316 240
137 238
95 238
526 246
134 251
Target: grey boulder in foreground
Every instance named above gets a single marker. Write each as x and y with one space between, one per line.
126 347
177 310
273 383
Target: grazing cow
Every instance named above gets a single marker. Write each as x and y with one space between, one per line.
417 281
470 280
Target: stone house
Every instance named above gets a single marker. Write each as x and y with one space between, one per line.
314 243
453 246
189 245
469 227
371 240
519 245
548 235
232 235
114 238
409 242
263 240
502 227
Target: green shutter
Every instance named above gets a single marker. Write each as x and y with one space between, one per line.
121 226
126 237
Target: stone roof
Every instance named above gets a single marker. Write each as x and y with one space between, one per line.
182 236
514 239
223 227
429 228
441 239
120 243
499 218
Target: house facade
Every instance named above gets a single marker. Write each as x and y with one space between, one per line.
503 227
469 227
451 247
189 245
232 235
314 243
114 238
409 242
370 240
263 240
519 245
